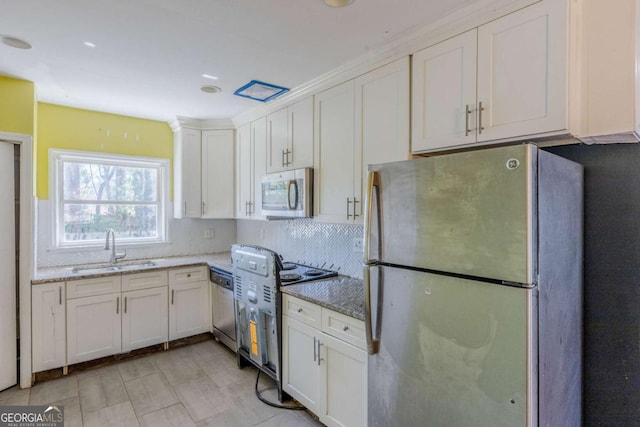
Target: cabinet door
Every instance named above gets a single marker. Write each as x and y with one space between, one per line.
382 121
93 327
217 174
334 154
277 140
300 370
188 309
522 72
444 94
244 169
259 135
300 136
145 319
190 174
343 381
48 329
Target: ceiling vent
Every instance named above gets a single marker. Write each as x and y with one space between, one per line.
260 91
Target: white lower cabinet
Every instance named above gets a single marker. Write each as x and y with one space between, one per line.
48 336
93 327
323 370
189 312
115 314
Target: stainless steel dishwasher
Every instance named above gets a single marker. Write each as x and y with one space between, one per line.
223 307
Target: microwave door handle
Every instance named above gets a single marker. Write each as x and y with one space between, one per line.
292 183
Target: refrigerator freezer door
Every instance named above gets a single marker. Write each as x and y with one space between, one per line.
469 213
453 352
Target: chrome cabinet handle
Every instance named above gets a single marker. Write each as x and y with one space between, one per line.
203 208
125 305
118 305
60 295
289 161
319 359
467 113
185 208
348 207
314 349
355 201
173 291
480 110
299 310
284 163
346 328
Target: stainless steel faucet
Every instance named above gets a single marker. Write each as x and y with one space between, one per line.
114 255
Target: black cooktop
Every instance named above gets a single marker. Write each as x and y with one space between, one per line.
292 273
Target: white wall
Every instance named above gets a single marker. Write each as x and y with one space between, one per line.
186 237
307 242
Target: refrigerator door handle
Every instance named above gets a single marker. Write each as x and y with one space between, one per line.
373 187
373 340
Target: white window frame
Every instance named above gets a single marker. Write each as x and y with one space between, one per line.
56 191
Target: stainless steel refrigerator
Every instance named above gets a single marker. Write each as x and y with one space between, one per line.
473 290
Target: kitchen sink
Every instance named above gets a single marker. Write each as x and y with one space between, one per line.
98 269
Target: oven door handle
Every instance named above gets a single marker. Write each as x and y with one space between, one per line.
292 183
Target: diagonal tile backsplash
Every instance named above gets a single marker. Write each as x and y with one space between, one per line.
307 242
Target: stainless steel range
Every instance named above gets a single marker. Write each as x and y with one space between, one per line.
257 275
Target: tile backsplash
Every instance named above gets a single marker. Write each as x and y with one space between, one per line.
186 236
308 242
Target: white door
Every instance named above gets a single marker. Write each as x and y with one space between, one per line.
343 381
93 327
444 94
300 134
217 174
8 361
334 154
300 366
188 309
382 120
145 318
522 72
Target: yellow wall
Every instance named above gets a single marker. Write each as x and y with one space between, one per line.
17 106
74 129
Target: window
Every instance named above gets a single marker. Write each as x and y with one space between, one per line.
95 192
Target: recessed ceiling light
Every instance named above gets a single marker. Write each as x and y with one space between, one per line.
210 89
209 76
15 42
89 44
338 3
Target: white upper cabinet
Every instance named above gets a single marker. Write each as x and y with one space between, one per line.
444 88
203 173
361 122
250 167
522 73
504 80
290 137
381 118
218 193
187 174
334 192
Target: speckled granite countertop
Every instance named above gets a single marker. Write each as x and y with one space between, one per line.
60 274
342 294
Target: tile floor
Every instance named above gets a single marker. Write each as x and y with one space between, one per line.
196 385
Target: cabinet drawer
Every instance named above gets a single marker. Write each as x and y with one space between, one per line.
188 274
151 279
344 327
94 286
301 310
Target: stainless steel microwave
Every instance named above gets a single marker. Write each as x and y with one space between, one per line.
288 194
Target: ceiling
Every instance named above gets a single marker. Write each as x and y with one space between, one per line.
149 55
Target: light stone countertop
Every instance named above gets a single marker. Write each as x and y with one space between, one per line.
342 294
61 274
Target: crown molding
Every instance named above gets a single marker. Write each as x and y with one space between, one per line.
200 124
